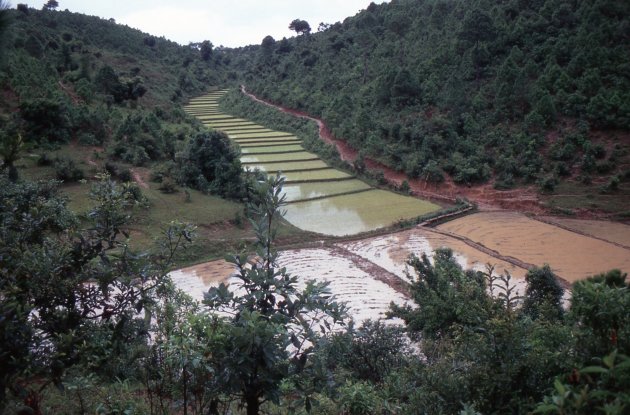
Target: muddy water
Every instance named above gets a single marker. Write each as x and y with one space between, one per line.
355 213
571 255
392 251
310 190
197 279
348 282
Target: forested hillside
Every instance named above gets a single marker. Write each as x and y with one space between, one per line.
70 78
515 91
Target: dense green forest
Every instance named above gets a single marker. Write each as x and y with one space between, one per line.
512 91
89 323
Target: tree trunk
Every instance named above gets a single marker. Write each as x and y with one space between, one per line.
253 404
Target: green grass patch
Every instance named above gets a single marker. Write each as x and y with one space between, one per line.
570 196
270 158
272 149
321 174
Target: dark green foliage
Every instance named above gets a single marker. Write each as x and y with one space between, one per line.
168 186
370 352
479 346
438 287
118 172
548 183
70 77
210 163
66 170
543 298
599 307
300 26
121 89
45 120
206 50
464 83
599 388
273 324
5 21
50 5
71 297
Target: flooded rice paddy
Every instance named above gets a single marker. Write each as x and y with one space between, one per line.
369 273
319 174
348 282
321 199
571 255
354 213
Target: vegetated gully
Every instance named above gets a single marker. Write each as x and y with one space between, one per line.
425 239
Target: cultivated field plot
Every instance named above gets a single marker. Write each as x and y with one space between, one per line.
315 175
571 256
366 297
221 124
267 158
326 200
267 142
244 130
271 149
348 283
618 233
392 252
310 190
259 135
217 117
264 145
355 213
290 166
197 279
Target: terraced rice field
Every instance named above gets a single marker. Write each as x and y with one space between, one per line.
348 282
277 148
616 233
321 199
391 253
313 190
572 256
367 273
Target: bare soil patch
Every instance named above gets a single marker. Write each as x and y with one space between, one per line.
141 176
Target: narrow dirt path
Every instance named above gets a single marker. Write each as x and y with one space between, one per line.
137 177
